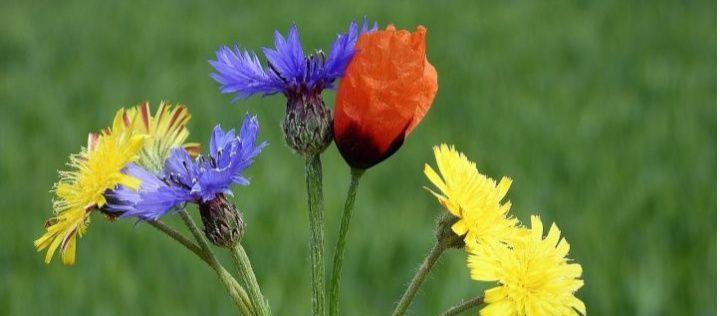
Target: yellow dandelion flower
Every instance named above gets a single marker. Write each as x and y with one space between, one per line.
165 130
95 169
535 277
473 198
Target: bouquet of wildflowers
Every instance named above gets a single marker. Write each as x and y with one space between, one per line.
141 167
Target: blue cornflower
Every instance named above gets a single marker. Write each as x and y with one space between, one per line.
300 77
184 179
288 69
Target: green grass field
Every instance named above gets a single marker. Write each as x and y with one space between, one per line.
602 112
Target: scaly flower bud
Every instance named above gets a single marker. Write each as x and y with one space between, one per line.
308 124
445 234
222 223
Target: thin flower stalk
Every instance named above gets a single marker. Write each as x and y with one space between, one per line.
234 289
177 236
355 175
247 277
313 180
237 292
420 276
464 306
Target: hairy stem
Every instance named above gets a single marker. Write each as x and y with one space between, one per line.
419 278
355 175
463 306
313 180
247 277
237 293
177 236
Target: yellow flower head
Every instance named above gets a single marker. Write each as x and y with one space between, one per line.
473 198
165 130
535 277
96 169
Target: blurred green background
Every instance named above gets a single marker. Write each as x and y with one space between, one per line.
603 112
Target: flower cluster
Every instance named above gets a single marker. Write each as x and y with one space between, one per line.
141 167
533 275
184 179
301 78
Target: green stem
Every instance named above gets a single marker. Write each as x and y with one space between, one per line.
419 278
313 180
177 236
463 306
237 293
247 277
355 175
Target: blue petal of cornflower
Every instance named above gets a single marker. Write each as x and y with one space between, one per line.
288 58
212 182
224 167
152 200
122 199
241 73
289 70
155 203
247 149
180 169
219 140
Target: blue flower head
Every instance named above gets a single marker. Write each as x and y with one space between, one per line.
184 179
288 69
307 125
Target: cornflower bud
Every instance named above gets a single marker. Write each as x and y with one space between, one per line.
222 223
308 124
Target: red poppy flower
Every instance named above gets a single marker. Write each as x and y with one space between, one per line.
387 88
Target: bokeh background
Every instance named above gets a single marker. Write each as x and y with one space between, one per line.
603 112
